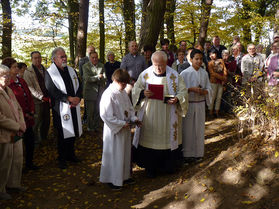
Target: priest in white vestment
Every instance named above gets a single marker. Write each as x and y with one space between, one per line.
199 89
158 141
117 113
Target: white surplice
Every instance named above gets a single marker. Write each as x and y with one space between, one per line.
194 123
156 128
115 110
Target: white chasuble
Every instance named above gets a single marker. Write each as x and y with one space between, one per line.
161 122
194 123
116 110
65 108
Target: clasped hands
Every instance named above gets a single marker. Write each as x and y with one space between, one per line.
148 93
128 125
74 101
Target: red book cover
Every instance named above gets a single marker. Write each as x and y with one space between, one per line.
158 91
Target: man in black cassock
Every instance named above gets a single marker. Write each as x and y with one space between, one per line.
65 92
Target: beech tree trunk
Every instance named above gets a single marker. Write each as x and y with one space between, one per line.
205 16
82 29
169 17
73 16
129 21
7 29
154 17
247 25
102 30
276 25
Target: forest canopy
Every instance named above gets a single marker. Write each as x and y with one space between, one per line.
28 25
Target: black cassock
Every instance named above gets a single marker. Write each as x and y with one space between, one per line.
65 146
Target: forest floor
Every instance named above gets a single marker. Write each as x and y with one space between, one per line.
239 170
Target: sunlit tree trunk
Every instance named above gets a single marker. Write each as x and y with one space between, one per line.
102 30
205 16
82 29
7 29
169 17
73 15
129 21
151 28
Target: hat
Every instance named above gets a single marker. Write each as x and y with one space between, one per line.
276 35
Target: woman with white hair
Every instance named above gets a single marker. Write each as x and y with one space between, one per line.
12 127
110 66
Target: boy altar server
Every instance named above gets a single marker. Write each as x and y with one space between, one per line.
118 114
199 89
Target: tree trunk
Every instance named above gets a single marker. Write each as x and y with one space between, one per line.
73 14
102 30
245 16
205 15
82 29
169 17
7 29
151 28
276 25
129 21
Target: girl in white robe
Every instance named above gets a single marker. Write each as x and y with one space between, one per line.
117 113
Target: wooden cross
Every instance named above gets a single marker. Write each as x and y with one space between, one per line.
173 77
75 78
146 76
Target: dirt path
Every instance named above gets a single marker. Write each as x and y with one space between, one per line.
231 176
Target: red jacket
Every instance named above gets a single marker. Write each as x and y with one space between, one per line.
25 101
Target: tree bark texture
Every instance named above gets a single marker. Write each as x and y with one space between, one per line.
205 16
153 22
169 17
129 21
73 16
7 29
82 29
276 25
245 16
102 30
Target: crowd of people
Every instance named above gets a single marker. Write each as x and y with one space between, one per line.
162 95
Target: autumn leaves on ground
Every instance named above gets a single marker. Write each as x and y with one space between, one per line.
240 170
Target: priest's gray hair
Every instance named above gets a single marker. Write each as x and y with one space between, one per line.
159 55
4 69
54 52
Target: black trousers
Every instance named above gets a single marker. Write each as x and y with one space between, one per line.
29 140
66 148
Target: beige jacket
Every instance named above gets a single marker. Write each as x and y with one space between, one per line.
8 124
33 84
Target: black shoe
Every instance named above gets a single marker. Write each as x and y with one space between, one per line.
113 187
32 167
62 164
130 181
150 173
74 159
189 160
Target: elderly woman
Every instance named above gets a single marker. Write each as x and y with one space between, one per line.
24 98
12 126
110 67
273 68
